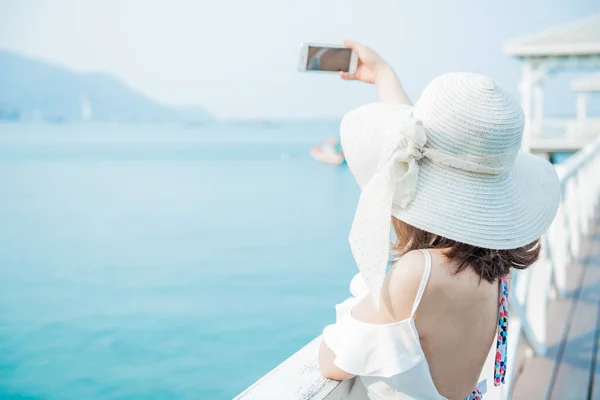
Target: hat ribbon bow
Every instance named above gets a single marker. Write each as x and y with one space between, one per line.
395 182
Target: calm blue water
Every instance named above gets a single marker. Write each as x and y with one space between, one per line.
162 262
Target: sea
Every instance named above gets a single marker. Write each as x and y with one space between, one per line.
165 261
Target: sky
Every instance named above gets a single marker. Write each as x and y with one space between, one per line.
237 58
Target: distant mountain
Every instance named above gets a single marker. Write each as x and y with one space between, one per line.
34 89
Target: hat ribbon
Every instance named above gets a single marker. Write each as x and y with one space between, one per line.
396 182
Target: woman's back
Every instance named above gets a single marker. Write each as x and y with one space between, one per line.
456 318
456 321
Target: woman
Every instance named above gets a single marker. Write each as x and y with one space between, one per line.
466 206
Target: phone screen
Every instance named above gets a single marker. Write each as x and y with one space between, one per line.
328 59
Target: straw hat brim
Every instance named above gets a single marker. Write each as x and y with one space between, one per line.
490 211
504 213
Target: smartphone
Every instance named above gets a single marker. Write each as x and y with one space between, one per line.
315 57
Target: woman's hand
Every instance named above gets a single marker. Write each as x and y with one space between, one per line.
374 69
370 64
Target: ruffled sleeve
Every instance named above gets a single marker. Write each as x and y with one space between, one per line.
368 349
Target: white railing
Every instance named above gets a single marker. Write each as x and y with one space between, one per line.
299 378
533 288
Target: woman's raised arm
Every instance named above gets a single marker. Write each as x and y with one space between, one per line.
375 70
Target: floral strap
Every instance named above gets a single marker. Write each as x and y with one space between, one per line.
500 362
475 395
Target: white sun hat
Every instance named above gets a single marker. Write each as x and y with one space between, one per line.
451 165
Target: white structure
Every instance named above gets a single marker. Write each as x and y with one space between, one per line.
584 87
576 45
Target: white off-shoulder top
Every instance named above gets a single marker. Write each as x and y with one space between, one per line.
387 359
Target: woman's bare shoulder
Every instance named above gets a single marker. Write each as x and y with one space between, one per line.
402 283
408 270
407 274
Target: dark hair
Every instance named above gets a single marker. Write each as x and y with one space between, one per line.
489 264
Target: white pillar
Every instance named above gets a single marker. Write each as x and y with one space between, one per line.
581 113
581 105
538 103
526 90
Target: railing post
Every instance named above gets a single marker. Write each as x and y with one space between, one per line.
558 246
573 219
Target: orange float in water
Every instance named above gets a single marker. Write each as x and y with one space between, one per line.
330 152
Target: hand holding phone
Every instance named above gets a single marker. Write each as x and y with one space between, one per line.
370 64
316 57
354 62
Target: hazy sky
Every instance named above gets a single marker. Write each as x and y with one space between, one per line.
238 58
